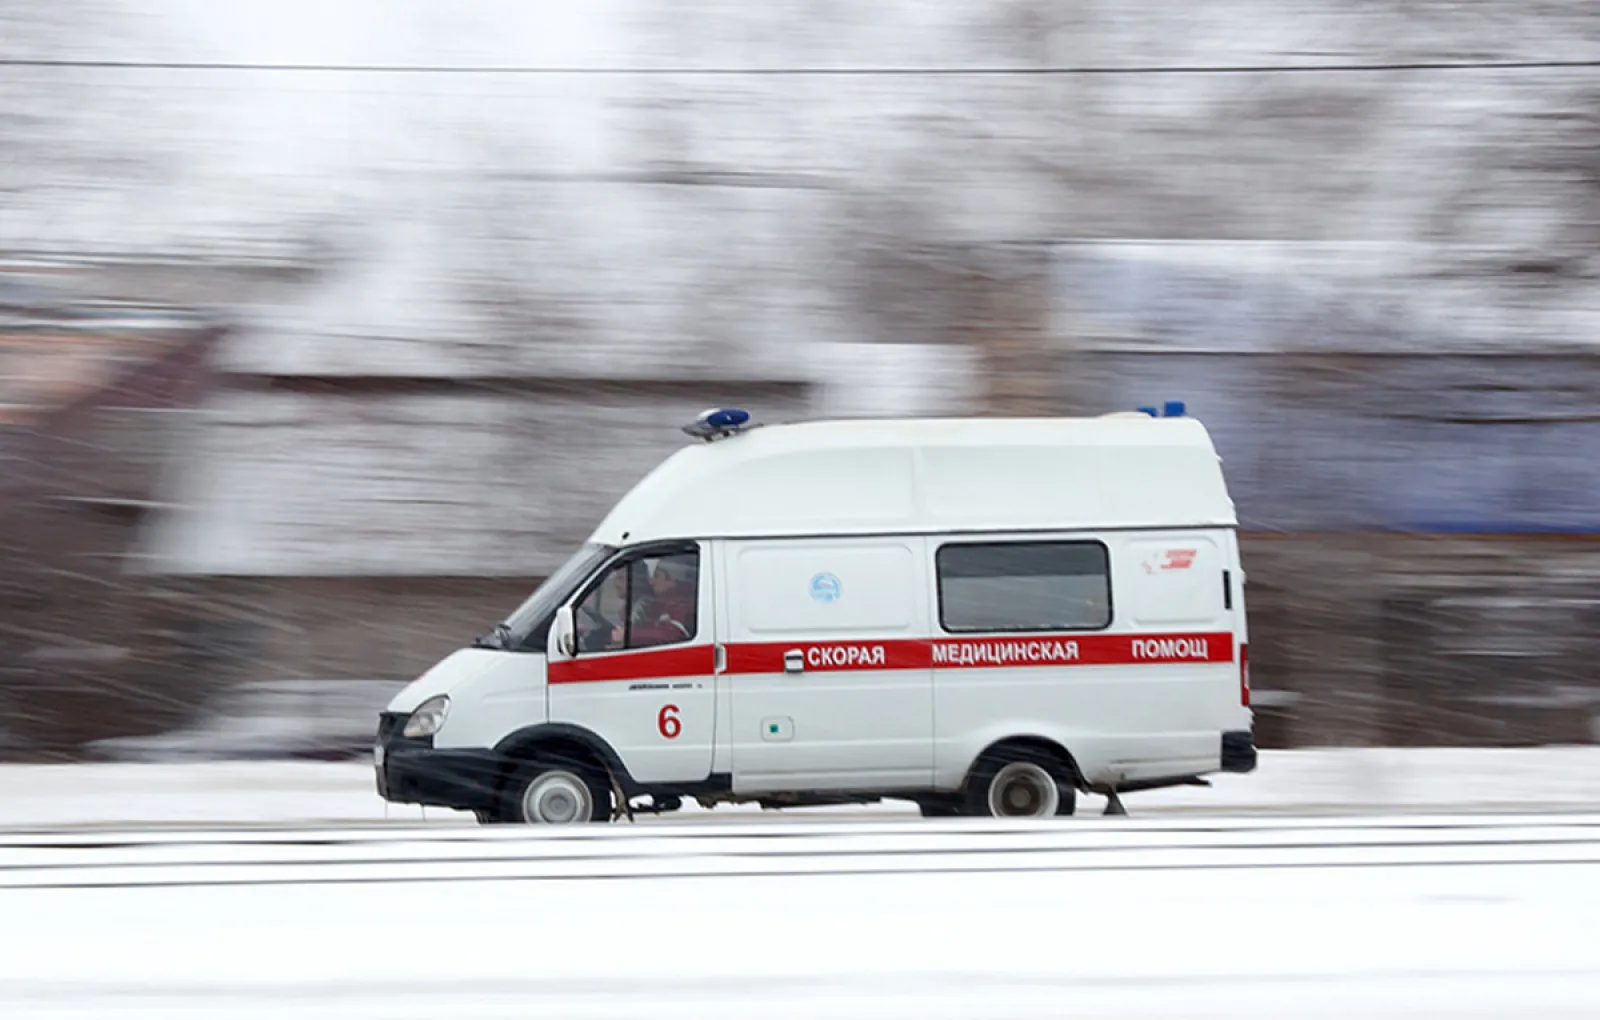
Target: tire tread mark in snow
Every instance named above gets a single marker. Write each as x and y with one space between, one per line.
792 873
68 838
763 986
345 862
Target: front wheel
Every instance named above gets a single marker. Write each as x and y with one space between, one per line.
1014 783
566 794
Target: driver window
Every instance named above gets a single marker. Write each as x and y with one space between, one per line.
643 602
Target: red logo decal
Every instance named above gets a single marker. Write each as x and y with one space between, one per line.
1179 559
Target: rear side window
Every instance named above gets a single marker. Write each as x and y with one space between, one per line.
1024 586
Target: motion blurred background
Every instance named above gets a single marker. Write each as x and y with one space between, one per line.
328 328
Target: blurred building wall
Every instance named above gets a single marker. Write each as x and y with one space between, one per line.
83 648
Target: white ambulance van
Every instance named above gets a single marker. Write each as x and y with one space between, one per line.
980 616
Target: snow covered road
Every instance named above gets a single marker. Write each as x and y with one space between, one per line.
200 858
1337 883
1256 917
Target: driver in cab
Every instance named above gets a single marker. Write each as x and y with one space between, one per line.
666 615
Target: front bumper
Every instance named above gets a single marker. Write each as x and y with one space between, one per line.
410 770
1238 751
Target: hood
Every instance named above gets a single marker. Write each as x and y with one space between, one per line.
448 674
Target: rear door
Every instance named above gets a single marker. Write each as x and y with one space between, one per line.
827 668
643 677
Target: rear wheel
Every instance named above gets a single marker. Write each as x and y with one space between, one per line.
1012 782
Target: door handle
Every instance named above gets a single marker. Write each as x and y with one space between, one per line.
794 661
719 662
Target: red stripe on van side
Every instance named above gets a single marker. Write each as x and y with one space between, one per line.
646 664
1035 650
1081 650
829 656
987 652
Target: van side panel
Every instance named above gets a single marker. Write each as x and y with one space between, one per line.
1175 582
854 708
1137 678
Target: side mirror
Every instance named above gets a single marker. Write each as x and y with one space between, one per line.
563 634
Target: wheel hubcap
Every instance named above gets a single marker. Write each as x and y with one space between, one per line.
1023 790
557 798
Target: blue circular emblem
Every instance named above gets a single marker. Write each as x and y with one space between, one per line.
825 588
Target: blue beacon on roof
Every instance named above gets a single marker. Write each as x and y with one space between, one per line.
1171 409
718 421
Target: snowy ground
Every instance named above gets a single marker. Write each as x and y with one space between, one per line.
1382 883
876 919
1339 781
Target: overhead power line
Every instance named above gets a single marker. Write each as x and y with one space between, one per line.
839 72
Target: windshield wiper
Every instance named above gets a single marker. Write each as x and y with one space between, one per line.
499 637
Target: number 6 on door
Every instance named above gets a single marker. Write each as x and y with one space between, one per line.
667 722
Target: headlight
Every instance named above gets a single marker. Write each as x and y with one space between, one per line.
428 717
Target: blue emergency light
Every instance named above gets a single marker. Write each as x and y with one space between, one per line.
1170 409
718 423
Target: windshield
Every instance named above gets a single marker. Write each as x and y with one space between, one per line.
534 613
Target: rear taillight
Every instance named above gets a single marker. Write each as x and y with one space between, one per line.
1244 675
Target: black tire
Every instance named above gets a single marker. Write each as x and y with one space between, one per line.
1016 782
557 790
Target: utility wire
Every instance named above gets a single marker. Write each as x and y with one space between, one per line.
839 72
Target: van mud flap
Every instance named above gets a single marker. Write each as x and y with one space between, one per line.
1238 751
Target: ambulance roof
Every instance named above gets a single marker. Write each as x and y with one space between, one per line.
925 476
